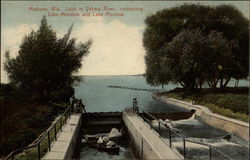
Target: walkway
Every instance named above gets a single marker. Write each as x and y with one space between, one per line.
61 148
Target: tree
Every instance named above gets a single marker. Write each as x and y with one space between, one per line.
182 59
192 59
45 65
220 59
223 22
155 75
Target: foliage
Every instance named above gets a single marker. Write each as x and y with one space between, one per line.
155 75
23 119
199 58
233 102
46 64
194 44
21 122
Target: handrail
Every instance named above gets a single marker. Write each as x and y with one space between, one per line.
46 133
150 115
185 140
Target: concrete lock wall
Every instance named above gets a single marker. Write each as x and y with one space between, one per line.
74 141
146 141
65 145
230 125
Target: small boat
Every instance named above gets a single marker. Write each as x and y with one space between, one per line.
106 146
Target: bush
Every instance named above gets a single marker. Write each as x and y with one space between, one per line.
22 122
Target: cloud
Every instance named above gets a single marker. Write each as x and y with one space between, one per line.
117 48
11 39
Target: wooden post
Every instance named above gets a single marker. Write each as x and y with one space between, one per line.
210 153
49 140
55 130
170 140
142 148
38 152
65 119
184 148
159 123
61 123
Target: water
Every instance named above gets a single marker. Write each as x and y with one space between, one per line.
99 98
92 153
196 131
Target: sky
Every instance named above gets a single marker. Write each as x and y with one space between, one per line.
117 40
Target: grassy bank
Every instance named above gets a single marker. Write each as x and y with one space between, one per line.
22 120
230 102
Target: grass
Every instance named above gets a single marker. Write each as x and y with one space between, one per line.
231 102
32 153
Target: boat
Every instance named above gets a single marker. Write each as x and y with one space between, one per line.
106 145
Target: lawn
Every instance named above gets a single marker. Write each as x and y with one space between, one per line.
230 102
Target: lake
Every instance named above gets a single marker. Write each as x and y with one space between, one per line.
94 91
98 97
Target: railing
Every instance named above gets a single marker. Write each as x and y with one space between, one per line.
47 134
171 132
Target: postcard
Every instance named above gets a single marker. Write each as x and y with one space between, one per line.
124 80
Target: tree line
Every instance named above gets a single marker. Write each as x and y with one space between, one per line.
196 45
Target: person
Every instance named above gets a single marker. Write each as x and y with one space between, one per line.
82 105
77 106
72 102
134 104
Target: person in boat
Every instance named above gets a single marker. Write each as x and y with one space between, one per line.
102 144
